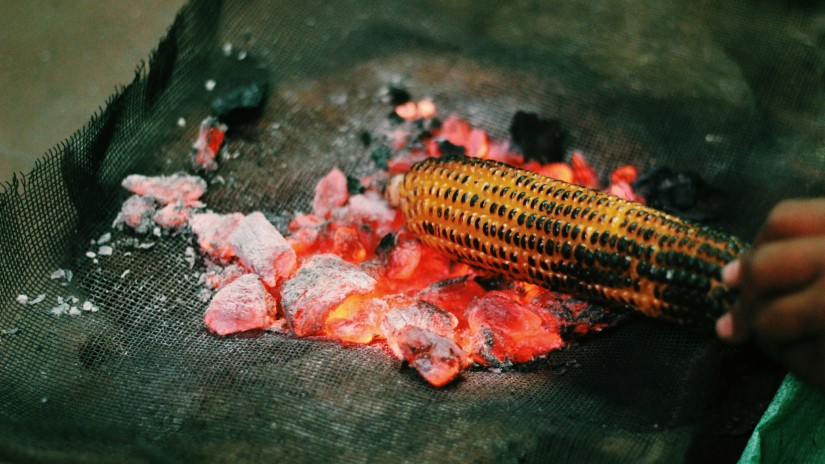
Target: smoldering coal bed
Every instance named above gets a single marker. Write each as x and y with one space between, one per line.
141 377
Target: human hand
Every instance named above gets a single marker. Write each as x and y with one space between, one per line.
781 285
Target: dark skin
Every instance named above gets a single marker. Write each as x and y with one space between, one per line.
781 281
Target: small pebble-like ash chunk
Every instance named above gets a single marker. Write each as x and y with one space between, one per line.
213 232
263 249
137 212
503 331
242 305
321 284
177 188
330 192
419 314
437 358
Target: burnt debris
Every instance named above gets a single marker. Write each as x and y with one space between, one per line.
676 192
241 104
539 139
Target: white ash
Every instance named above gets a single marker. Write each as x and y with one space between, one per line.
105 250
227 49
74 311
22 299
189 256
125 273
37 299
128 253
90 254
210 85
205 295
156 231
181 122
11 331
105 238
60 309
146 245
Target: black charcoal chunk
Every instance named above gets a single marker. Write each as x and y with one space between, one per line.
241 104
380 156
673 191
448 150
539 139
354 186
398 96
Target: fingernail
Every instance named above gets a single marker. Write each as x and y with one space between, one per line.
732 272
724 327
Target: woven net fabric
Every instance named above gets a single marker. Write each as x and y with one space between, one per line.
733 91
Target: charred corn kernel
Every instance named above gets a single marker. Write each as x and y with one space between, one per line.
568 238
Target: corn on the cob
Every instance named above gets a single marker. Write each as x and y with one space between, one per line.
568 238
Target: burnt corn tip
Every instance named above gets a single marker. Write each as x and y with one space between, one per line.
568 238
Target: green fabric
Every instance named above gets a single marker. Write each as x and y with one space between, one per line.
792 429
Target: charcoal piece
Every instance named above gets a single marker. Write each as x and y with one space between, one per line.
454 294
502 331
331 192
204 152
240 105
397 96
138 213
437 358
357 319
321 284
244 304
449 150
421 314
177 188
262 249
494 282
212 231
366 138
539 139
380 156
354 186
172 216
673 191
385 245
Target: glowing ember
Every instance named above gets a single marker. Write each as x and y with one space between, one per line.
263 249
177 188
321 284
330 193
205 149
438 359
357 319
242 305
502 331
212 231
419 314
138 213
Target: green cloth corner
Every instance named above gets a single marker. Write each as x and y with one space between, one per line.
792 429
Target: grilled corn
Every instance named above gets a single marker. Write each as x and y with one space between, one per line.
567 238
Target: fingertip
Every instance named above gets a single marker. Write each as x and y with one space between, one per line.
732 273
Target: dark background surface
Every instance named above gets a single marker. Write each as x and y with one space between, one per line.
60 60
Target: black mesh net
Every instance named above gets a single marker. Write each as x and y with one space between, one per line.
732 90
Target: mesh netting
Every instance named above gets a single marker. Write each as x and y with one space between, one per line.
733 91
